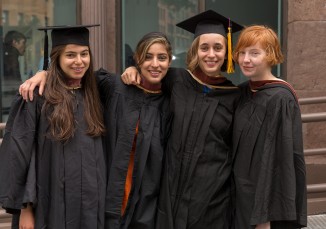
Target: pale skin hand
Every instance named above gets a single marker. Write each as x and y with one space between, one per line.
26 89
131 76
264 226
26 219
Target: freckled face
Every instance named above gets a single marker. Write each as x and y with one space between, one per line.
253 63
156 63
211 53
75 60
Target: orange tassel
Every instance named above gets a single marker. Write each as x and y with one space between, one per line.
230 68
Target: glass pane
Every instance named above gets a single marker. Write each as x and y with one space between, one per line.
162 15
247 13
141 17
23 44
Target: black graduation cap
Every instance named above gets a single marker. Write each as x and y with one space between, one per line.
209 22
212 22
63 35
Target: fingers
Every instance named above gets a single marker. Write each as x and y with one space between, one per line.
125 78
131 77
24 90
138 79
30 91
41 89
128 79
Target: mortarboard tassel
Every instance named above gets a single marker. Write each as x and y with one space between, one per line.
46 53
230 68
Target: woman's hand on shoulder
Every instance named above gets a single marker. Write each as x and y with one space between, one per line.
27 88
131 76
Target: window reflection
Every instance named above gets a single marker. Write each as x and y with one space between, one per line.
22 43
141 17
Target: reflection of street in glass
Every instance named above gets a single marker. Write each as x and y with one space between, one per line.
14 46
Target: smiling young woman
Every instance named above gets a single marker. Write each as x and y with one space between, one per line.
269 166
58 179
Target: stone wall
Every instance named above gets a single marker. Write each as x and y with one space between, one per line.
306 63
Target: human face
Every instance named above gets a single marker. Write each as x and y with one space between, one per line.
211 53
20 45
156 64
253 63
75 60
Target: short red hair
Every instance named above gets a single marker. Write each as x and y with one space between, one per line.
266 37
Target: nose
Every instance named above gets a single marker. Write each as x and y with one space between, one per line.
155 62
78 59
211 52
246 57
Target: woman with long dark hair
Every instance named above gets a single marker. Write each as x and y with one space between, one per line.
52 172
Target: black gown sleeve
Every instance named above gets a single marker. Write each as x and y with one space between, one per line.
106 83
281 188
172 76
17 155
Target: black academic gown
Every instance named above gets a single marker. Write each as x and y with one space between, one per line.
269 167
64 182
195 191
124 105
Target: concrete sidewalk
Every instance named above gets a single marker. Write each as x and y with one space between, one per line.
316 222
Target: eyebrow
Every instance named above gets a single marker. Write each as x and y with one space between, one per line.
217 43
70 51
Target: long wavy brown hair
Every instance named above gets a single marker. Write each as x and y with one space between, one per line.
59 101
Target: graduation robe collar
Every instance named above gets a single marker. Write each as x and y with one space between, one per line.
199 75
148 87
219 82
263 84
73 84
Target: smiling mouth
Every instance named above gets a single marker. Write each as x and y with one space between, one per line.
155 73
211 63
78 69
247 67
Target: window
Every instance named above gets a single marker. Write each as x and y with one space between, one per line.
161 15
140 17
243 12
5 17
23 59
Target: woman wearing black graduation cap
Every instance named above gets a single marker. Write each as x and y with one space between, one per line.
52 165
137 118
195 190
196 186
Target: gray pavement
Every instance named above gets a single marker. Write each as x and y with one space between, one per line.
316 222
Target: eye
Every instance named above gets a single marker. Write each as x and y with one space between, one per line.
218 47
148 57
204 48
162 57
85 54
255 53
70 55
